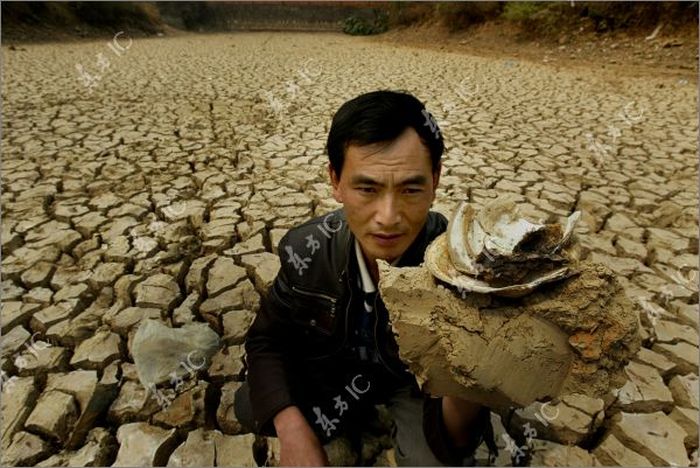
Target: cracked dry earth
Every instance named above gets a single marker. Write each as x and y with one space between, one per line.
162 194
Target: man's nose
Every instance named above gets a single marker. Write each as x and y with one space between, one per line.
388 213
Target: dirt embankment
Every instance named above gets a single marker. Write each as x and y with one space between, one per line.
632 38
24 22
670 53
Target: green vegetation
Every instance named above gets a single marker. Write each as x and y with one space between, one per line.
460 15
520 11
358 26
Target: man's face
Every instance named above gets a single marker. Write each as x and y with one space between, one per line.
386 191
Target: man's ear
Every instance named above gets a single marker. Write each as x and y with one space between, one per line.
436 178
335 183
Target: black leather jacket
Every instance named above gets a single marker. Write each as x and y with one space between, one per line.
304 317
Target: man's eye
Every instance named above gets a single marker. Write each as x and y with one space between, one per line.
413 190
366 189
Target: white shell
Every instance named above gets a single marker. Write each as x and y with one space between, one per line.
497 235
437 262
458 250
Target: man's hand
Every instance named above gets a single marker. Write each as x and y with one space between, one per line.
299 446
459 416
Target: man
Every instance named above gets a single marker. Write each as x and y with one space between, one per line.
321 352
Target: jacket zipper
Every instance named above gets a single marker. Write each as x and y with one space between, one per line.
347 314
333 301
330 299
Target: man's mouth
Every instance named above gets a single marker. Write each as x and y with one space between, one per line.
386 239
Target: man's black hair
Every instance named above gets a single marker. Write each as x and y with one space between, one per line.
381 116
